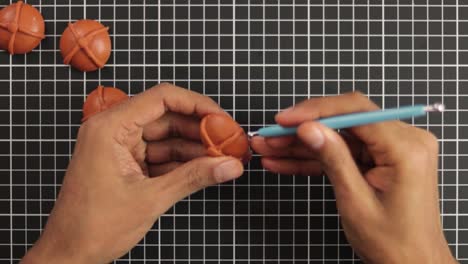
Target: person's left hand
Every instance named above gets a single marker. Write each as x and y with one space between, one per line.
108 201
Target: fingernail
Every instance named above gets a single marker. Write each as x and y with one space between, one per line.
228 170
314 137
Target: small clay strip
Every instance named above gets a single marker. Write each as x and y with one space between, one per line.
214 150
100 91
13 27
88 51
231 139
75 49
82 43
219 148
7 26
70 55
30 33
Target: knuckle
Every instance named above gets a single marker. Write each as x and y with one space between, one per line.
311 103
148 152
331 161
358 97
174 127
163 87
362 100
90 126
429 143
424 148
92 129
334 156
175 152
177 106
206 100
211 100
100 125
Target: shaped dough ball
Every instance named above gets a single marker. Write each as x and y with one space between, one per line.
100 99
21 28
85 45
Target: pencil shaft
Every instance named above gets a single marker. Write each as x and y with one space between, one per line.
351 120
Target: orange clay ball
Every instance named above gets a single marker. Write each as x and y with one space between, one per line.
21 28
101 99
222 136
85 45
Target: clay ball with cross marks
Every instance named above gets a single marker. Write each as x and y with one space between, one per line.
85 45
21 28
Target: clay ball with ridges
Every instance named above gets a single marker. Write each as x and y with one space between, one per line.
222 136
100 99
86 45
21 28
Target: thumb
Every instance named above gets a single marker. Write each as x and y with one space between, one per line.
337 162
198 174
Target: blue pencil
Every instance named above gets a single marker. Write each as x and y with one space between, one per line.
356 119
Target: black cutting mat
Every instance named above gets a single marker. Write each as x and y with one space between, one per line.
253 57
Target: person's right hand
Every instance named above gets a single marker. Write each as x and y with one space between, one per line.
384 177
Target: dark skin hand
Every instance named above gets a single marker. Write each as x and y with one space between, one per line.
126 172
133 162
384 177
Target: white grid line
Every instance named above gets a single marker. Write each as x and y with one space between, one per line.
383 56
354 71
263 121
457 135
174 81
294 102
11 160
25 160
441 198
234 86
204 91
159 80
323 94
40 134
248 129
308 96
339 92
144 86
219 100
189 87
279 108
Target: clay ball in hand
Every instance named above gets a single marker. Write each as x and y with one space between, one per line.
222 136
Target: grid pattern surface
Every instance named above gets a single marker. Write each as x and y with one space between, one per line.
254 58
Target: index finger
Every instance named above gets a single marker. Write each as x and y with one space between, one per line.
154 102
